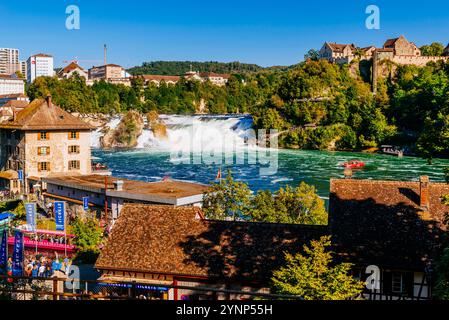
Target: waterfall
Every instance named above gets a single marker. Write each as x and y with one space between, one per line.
97 134
199 132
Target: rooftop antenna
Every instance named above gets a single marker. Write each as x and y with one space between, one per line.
105 54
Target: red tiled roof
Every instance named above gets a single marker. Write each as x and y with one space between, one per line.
12 96
381 222
72 66
42 55
340 47
39 116
16 104
172 240
149 77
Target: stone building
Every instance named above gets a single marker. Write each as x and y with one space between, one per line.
402 47
43 140
107 72
338 53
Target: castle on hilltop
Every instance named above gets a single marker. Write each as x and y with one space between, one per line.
397 50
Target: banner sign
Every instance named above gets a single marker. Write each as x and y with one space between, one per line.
30 209
59 207
86 203
4 250
17 255
20 174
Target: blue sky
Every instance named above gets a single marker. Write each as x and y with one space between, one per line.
265 32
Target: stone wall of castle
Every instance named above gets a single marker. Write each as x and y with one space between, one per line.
419 61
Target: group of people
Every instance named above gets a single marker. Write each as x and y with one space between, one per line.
40 266
44 267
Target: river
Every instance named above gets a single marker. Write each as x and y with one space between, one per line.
153 159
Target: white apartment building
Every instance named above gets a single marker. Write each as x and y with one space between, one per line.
39 65
11 84
9 60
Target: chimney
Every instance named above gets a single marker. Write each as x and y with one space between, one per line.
118 185
48 99
424 193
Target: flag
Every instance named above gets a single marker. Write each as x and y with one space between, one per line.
4 250
59 208
17 255
218 175
30 209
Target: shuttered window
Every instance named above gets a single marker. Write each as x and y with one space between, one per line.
74 165
43 135
74 149
43 151
43 166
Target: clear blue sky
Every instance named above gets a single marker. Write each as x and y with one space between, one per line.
275 32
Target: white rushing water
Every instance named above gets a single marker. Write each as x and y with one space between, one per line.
195 133
97 134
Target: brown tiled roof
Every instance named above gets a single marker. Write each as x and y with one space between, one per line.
446 50
337 47
16 104
42 55
149 77
168 240
72 66
381 222
39 116
12 96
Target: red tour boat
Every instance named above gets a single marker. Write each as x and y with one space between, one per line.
354 164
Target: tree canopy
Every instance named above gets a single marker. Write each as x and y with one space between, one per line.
312 276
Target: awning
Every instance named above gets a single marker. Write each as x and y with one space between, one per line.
9 175
6 215
50 195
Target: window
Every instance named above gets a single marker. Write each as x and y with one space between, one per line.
43 135
43 151
15 184
74 135
43 166
74 149
74 165
396 282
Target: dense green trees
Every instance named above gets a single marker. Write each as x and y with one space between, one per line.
435 49
230 199
312 276
181 67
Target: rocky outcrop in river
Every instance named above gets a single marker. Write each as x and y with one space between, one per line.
125 135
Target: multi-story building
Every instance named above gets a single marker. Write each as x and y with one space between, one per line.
106 72
44 140
23 68
339 53
39 65
11 84
9 61
217 79
71 69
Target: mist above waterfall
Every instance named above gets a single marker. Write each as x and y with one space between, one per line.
194 133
